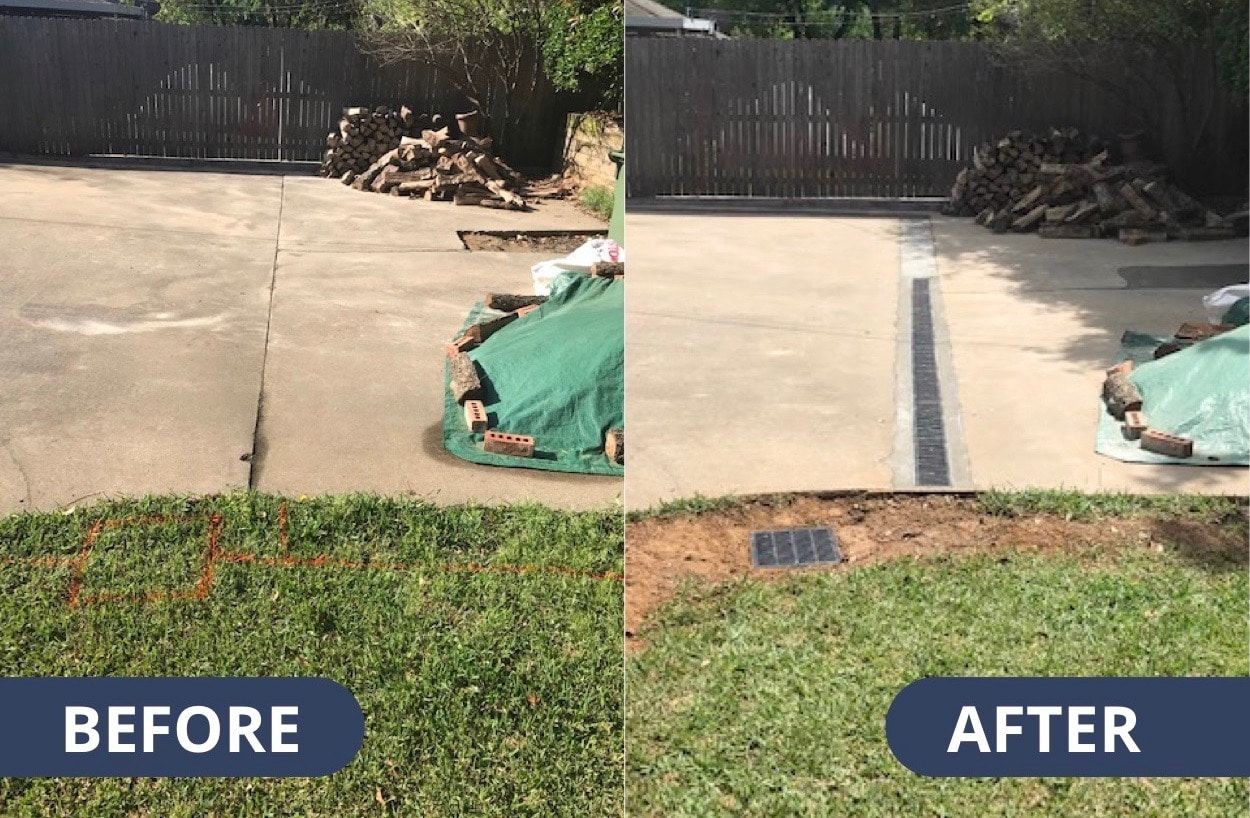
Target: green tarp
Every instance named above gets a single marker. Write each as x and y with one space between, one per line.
1201 392
1239 313
557 374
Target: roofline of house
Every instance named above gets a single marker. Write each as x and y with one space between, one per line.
691 24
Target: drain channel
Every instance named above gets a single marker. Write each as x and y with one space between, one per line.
929 428
929 446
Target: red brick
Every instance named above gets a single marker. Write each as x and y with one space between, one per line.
510 444
1152 440
526 310
1124 367
1134 424
475 415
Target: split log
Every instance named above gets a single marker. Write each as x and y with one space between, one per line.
1195 331
508 196
508 302
1069 231
1032 198
1084 212
1002 220
481 331
1133 236
1029 219
465 383
614 446
1120 394
1137 201
415 188
1060 212
607 269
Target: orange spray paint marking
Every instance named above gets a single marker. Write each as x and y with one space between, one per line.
284 529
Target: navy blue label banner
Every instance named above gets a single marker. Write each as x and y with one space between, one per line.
1089 727
163 727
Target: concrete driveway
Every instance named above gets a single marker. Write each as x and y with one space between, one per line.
760 352
774 353
142 350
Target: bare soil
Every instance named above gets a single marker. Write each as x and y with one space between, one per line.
661 552
555 242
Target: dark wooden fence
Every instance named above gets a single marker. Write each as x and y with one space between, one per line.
80 87
864 118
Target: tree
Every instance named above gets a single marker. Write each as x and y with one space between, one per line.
1140 52
1164 30
860 19
311 14
499 52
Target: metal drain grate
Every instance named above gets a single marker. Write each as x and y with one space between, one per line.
792 547
932 467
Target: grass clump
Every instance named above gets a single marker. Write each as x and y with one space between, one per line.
598 199
1076 505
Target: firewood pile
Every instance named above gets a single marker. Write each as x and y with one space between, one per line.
398 152
1062 185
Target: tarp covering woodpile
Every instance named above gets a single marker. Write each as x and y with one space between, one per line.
552 376
1199 393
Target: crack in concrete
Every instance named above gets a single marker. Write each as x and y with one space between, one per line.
258 443
7 445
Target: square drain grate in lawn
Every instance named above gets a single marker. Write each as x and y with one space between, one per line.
794 547
145 557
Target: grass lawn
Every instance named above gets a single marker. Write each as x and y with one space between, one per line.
769 698
484 644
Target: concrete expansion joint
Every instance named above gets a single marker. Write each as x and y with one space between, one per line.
253 457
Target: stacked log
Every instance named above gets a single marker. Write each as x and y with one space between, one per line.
385 151
363 135
1062 186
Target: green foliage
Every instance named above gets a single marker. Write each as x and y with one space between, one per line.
484 693
597 200
769 698
307 14
583 49
860 19
1156 25
579 42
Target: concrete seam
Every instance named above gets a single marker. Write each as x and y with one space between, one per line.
264 359
903 460
7 445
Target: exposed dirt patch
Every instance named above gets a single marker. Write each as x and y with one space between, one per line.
555 242
712 546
